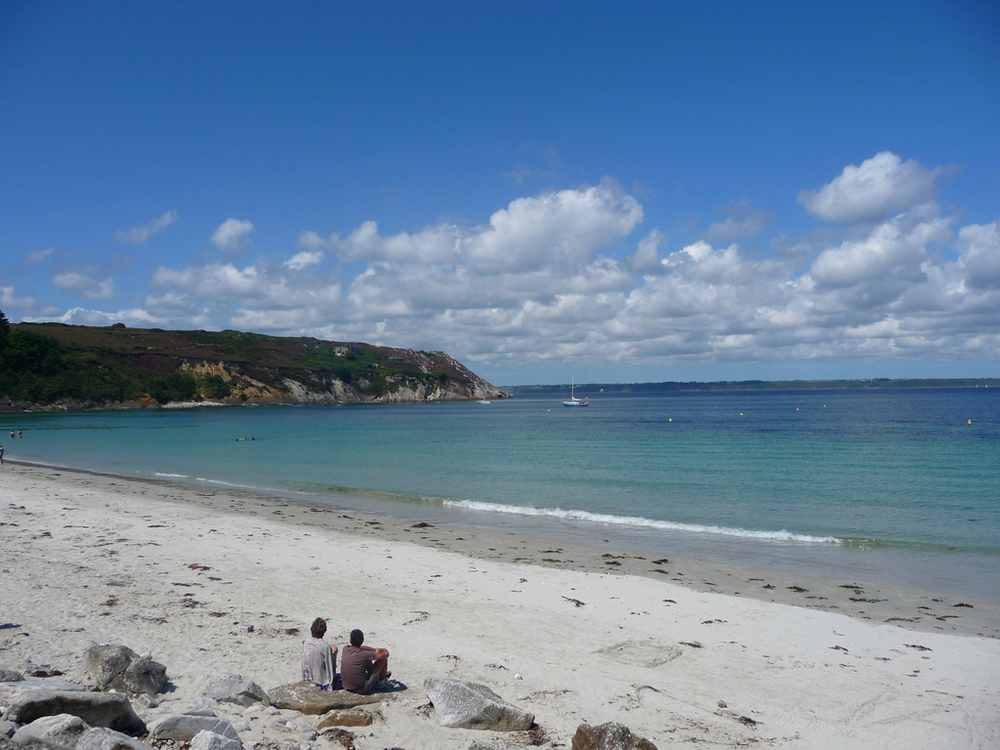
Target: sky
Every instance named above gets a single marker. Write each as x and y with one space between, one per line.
611 192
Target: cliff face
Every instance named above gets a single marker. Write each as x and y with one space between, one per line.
395 387
80 367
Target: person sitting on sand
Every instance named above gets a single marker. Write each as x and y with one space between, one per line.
319 658
364 669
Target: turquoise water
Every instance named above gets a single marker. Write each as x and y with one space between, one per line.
884 480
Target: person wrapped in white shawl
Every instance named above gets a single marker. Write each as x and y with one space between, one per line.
319 658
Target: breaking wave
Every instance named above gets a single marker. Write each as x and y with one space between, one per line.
640 522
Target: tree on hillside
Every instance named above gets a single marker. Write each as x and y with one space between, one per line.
4 330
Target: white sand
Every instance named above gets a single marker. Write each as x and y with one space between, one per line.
88 558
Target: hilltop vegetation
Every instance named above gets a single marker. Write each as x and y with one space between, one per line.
51 365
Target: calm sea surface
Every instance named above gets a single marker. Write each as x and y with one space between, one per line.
895 485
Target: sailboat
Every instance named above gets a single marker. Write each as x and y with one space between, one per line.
573 400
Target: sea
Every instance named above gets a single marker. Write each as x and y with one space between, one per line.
895 486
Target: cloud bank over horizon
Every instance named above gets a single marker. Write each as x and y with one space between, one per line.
571 275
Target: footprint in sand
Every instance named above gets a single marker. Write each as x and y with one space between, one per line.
646 653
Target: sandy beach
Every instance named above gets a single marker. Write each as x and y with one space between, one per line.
212 583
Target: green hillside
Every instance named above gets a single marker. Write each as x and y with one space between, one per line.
85 367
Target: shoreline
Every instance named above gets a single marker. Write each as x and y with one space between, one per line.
937 535
906 606
222 582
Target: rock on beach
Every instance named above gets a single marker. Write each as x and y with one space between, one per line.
111 710
61 731
610 736
306 698
234 689
184 727
469 705
117 667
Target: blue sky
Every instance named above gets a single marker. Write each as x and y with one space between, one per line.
621 192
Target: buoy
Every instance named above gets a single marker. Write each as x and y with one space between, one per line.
970 421
671 419
741 414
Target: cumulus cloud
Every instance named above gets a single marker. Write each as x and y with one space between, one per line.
303 260
891 250
231 233
559 228
646 258
143 233
564 275
253 297
137 318
880 186
223 280
980 248
85 284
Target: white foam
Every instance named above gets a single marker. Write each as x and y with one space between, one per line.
640 522
172 476
254 487
229 484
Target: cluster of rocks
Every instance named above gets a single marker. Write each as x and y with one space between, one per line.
53 714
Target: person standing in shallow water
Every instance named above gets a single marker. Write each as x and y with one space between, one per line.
319 658
1 455
364 669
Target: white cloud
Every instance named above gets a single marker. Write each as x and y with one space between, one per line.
880 186
646 258
39 256
892 251
302 260
254 297
10 300
134 318
555 229
440 244
141 234
565 276
980 247
222 281
231 233
84 284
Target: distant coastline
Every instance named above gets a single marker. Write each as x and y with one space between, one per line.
757 385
